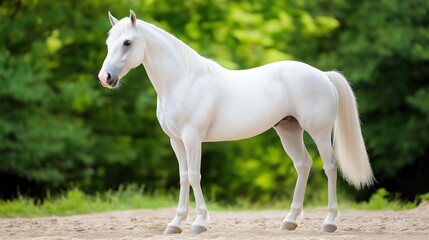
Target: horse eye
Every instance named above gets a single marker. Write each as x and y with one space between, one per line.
127 42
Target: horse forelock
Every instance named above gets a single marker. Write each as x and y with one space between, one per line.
122 27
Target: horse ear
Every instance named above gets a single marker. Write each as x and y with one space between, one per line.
133 18
112 19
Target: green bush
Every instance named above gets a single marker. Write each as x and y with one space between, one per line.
59 128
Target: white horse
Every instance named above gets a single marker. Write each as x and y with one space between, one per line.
200 101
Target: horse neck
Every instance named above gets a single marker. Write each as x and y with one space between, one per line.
168 61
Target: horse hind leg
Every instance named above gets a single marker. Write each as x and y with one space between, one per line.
291 136
324 145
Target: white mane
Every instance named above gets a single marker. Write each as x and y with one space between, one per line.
193 61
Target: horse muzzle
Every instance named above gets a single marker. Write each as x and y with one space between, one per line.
108 80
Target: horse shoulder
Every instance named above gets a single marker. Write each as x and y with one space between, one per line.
187 106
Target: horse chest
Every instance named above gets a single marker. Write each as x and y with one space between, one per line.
173 116
176 115
169 120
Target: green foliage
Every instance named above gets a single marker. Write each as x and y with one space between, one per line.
75 201
38 141
382 46
423 198
57 125
99 139
382 199
60 128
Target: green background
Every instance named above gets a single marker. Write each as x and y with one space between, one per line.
59 128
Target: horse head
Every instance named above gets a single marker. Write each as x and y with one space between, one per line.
125 50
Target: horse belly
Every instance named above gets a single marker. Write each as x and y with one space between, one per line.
232 132
246 117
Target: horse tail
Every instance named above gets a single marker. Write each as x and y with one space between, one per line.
348 141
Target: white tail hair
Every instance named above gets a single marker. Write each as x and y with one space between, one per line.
348 141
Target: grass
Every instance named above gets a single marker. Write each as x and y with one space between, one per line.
132 197
76 201
382 200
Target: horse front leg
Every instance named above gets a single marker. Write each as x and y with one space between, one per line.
182 208
192 142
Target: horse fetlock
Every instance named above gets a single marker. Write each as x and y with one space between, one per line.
200 221
202 211
333 212
295 211
182 214
329 224
292 216
333 209
289 222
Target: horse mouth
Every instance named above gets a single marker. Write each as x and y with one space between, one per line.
114 83
110 84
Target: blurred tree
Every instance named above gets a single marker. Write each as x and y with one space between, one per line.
41 143
112 137
383 47
59 126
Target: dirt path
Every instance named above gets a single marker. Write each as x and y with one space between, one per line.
149 224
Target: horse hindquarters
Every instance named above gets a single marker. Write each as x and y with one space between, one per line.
314 101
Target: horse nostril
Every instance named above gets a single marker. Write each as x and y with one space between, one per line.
111 79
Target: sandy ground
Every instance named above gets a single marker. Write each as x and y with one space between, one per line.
150 224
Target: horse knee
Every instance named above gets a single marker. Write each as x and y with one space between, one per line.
194 179
303 166
184 180
330 168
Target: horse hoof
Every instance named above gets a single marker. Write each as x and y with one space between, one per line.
172 230
329 228
197 229
290 226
